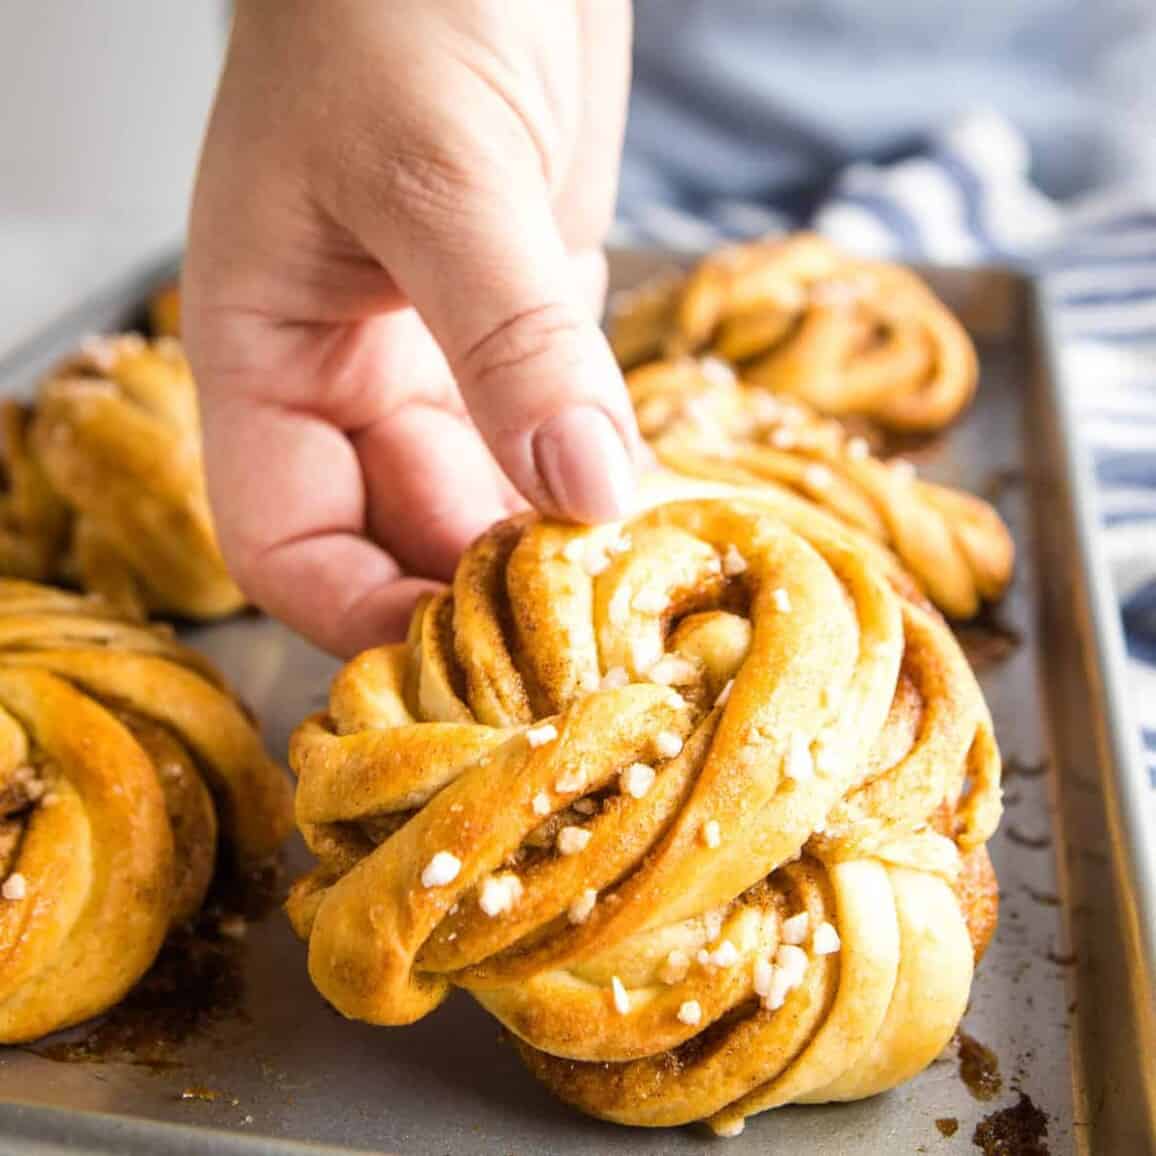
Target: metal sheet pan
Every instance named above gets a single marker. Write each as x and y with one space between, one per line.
1061 1013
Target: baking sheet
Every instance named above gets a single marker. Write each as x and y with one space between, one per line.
1056 1023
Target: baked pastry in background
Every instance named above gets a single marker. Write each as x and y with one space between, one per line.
701 421
125 763
165 311
801 319
34 522
695 805
106 485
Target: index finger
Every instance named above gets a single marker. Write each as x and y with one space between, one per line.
291 529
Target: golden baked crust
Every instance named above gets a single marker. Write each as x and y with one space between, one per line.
608 774
701 421
121 752
802 319
165 311
106 485
34 522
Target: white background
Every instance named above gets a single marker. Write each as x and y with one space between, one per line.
102 106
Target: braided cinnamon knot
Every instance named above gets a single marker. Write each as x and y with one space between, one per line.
701 421
695 805
119 749
106 486
802 319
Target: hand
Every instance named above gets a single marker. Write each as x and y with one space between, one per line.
391 292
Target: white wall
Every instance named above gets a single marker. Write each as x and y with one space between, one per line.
102 104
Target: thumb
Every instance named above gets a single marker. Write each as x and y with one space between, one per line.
488 271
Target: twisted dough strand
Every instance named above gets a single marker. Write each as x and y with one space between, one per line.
33 519
846 336
783 904
702 422
106 485
118 748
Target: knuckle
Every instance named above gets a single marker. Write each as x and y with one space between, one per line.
384 177
545 339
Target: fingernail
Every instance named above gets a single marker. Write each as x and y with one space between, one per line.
584 465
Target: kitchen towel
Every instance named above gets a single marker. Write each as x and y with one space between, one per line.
968 198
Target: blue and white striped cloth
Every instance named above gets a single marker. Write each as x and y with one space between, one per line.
968 199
